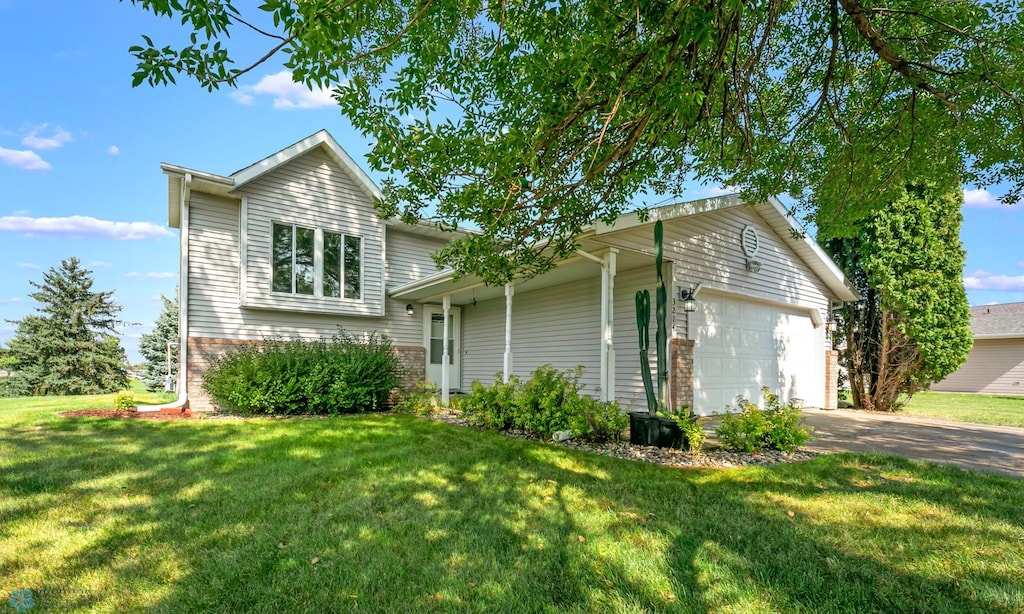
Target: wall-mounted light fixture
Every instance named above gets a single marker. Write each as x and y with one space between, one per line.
752 265
689 298
409 310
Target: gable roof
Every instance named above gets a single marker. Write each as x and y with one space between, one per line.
226 185
773 212
1005 321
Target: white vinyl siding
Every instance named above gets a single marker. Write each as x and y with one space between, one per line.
994 366
312 192
706 248
557 325
629 383
213 297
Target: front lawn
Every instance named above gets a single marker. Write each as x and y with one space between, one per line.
976 408
395 513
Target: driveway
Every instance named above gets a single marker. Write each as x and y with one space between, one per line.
998 449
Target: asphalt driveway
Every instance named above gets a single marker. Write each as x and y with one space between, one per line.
998 449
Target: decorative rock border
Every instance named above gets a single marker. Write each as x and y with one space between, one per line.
709 459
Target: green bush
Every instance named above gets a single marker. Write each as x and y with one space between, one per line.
776 427
421 400
491 406
124 400
548 402
342 374
597 420
693 432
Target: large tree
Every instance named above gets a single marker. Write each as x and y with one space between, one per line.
912 324
69 346
156 346
531 119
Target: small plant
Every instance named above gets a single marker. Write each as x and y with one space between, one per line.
491 406
545 402
693 431
124 400
421 400
776 427
597 420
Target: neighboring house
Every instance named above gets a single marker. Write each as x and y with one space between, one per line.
292 247
996 362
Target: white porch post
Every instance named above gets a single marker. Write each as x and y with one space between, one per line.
604 328
447 305
507 368
608 271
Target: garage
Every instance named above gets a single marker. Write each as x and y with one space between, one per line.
742 345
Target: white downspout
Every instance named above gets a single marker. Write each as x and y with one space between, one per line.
447 306
507 368
611 262
183 223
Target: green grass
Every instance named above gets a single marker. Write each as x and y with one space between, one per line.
976 408
395 513
69 403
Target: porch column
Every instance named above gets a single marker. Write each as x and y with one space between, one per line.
608 307
447 305
507 368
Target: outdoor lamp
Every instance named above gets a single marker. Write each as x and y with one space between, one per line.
409 310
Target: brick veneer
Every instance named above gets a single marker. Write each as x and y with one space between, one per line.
202 351
681 386
831 379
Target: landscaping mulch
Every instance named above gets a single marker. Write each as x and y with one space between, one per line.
711 458
126 414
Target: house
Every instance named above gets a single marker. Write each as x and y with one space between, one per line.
996 362
291 246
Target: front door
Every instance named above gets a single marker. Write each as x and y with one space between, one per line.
434 338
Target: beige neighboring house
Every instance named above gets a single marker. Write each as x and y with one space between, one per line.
292 246
996 362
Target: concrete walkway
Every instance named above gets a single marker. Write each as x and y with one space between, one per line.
998 449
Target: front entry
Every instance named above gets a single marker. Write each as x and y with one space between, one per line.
434 338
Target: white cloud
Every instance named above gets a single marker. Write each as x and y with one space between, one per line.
4 301
98 263
983 280
28 265
23 159
153 275
114 150
58 139
287 94
982 199
82 226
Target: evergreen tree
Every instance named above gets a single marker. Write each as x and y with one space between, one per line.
69 346
153 346
912 325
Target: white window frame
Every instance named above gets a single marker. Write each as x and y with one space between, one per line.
318 263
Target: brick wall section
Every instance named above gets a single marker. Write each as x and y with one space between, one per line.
681 386
831 379
202 351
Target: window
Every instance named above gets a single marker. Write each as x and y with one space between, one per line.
294 253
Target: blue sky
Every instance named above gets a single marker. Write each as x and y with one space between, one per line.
80 151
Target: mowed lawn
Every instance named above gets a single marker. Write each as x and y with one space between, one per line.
382 513
976 408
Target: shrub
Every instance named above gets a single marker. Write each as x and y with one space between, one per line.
693 432
548 402
490 407
124 400
597 420
342 374
421 400
545 401
776 427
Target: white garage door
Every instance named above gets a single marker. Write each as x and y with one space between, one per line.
743 345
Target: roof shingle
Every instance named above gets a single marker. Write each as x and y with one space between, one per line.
1005 319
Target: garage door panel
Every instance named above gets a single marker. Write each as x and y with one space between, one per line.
743 345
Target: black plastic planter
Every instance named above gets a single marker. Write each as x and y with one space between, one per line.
648 430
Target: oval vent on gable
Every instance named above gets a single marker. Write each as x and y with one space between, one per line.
750 241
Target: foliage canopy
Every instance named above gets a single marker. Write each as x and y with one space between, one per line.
531 119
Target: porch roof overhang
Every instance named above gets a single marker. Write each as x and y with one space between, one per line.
468 288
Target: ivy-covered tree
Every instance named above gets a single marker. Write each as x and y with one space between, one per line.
912 325
154 347
69 346
530 120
